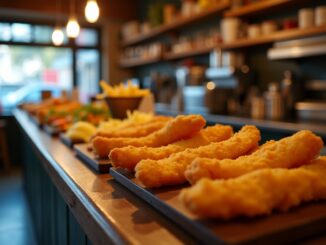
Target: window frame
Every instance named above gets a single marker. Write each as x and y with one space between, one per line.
71 43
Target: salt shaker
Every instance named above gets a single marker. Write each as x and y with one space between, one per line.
273 102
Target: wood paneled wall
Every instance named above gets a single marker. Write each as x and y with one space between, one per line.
123 10
52 219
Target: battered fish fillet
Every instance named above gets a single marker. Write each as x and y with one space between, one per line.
139 130
170 171
128 157
130 127
182 127
288 152
257 193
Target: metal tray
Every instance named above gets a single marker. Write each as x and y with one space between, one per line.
35 121
304 221
88 157
51 130
67 141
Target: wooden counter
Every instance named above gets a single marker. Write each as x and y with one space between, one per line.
106 212
71 204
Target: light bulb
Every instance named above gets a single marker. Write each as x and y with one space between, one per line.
92 11
57 36
72 28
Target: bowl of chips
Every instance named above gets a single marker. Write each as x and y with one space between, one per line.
122 98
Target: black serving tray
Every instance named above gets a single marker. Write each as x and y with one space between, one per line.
304 221
89 158
35 121
51 130
67 141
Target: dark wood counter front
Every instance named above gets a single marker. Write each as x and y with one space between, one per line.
106 212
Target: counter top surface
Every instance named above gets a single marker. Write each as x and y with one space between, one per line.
105 210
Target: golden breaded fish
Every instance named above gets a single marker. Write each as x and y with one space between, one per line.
138 130
181 127
170 171
288 152
257 193
127 157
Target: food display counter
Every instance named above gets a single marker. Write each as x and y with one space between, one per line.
72 204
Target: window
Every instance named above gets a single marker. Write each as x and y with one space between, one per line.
87 37
87 71
29 59
21 32
42 34
5 32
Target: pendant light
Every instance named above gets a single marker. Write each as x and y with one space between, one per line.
92 11
72 25
58 35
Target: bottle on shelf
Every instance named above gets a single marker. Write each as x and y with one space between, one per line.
287 92
274 102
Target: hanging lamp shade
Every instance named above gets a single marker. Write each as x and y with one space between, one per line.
72 27
92 11
57 36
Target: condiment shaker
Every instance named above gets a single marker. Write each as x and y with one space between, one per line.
273 102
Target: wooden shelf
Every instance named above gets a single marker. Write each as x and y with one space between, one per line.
176 24
244 43
262 7
134 62
192 53
277 36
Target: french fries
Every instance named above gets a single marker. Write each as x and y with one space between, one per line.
129 90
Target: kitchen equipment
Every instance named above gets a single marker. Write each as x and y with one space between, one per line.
314 105
311 110
217 58
190 93
226 89
320 16
233 59
194 99
229 29
181 77
273 102
298 48
288 93
162 86
196 75
306 18
190 76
